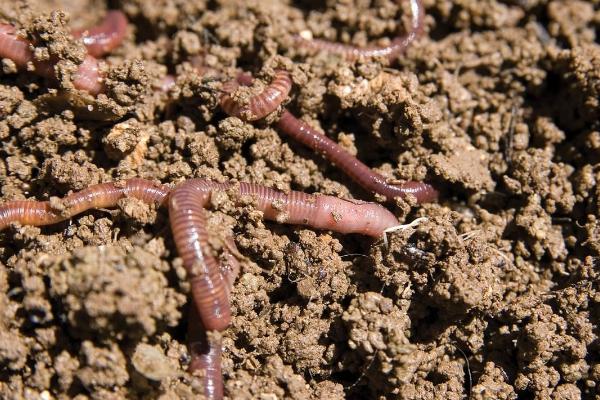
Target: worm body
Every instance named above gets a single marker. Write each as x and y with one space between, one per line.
320 211
188 224
258 106
205 352
305 134
18 50
188 220
359 172
106 36
205 356
103 195
210 280
349 52
98 40
87 77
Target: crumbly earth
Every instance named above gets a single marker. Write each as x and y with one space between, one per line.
495 295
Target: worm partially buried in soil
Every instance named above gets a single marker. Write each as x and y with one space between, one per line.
103 38
349 52
258 106
210 282
98 41
274 95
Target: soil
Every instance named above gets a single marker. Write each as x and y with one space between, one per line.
495 295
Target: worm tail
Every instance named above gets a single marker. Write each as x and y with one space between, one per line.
359 172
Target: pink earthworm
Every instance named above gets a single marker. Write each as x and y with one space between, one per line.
258 106
321 144
205 356
349 52
355 169
186 209
88 77
187 218
18 50
188 224
104 37
210 283
103 195
205 352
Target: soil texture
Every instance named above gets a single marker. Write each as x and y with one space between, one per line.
494 294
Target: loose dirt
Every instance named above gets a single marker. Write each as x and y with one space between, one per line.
496 295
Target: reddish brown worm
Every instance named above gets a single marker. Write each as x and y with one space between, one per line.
210 282
188 220
104 195
188 224
321 144
18 50
205 357
186 209
106 36
205 352
88 77
349 52
354 168
258 106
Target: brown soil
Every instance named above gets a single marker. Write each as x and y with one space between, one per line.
495 296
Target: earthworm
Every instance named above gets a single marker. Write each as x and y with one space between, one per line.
349 52
105 36
308 136
188 224
87 77
18 50
103 195
258 106
187 218
205 352
98 40
205 356
359 172
210 282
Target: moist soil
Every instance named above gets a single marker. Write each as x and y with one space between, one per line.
494 295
